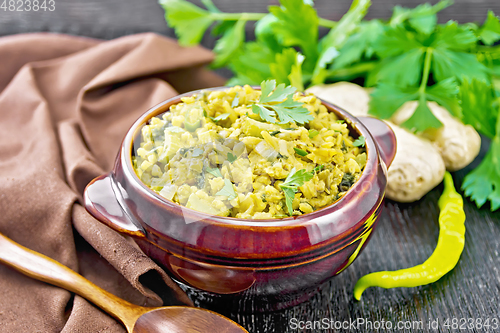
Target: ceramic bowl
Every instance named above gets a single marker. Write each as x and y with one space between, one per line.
260 265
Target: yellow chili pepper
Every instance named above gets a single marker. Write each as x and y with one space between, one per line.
444 258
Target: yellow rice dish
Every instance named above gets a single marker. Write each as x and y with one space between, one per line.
213 154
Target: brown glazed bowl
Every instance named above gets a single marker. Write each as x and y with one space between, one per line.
255 265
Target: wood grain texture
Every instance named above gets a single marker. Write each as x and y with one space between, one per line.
407 233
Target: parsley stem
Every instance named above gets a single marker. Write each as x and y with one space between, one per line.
237 16
220 16
351 72
427 69
327 23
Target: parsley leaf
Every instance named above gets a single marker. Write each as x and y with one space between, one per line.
390 69
387 98
236 101
337 37
295 75
297 25
251 64
230 42
288 68
396 41
264 33
454 37
289 196
318 168
272 93
189 21
398 49
231 157
291 184
175 129
359 142
422 18
300 152
422 118
313 133
447 64
227 190
360 43
445 94
490 31
449 55
278 101
221 117
483 183
214 171
292 111
263 113
273 133
197 152
478 95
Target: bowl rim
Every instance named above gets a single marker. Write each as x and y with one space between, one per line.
293 221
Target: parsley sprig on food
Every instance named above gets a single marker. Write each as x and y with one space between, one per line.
277 102
291 185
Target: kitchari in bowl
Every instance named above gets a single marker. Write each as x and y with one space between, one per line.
249 154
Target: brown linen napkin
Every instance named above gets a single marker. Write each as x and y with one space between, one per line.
65 105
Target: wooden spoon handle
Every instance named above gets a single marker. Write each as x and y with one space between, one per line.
40 267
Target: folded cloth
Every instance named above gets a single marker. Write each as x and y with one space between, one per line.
65 104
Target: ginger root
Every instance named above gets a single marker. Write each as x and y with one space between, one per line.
421 160
346 95
416 169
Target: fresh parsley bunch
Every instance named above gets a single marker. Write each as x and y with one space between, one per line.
279 34
408 57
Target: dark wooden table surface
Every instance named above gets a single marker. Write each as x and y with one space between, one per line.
407 233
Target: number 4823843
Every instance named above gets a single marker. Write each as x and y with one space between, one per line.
28 5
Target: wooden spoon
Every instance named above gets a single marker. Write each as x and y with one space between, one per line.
136 319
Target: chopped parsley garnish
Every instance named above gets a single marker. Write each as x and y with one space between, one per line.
347 181
236 101
214 171
291 185
276 104
197 152
318 168
227 190
359 142
300 152
273 133
313 133
231 157
223 116
175 129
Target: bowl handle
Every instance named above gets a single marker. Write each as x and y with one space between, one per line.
103 200
384 137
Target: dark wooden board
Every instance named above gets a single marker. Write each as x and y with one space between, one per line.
407 233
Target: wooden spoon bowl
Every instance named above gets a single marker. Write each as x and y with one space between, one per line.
136 319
